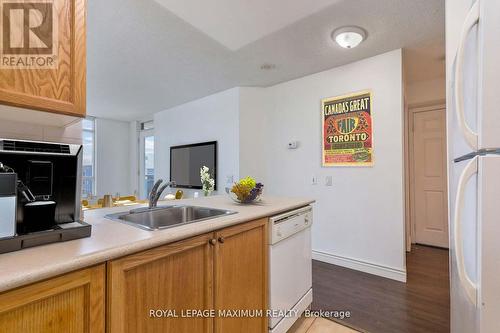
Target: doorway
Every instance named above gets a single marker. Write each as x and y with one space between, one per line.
428 176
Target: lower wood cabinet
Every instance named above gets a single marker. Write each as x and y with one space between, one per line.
224 271
241 277
174 277
213 283
70 303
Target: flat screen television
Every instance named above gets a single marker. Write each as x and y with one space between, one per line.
186 161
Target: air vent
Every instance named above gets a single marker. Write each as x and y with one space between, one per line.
35 147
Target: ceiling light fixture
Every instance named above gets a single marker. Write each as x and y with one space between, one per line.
349 37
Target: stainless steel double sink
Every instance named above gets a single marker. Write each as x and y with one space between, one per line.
164 217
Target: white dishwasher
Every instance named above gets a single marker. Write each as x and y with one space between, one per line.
290 267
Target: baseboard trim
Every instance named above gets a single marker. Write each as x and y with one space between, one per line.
363 266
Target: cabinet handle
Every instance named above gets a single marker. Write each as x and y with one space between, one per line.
213 241
221 240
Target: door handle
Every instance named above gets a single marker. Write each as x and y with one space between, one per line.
466 282
221 240
213 241
471 20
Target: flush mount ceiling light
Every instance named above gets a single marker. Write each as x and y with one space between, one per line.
349 37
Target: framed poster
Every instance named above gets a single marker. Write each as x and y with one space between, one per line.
347 130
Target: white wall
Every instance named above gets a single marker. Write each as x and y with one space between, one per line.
112 157
116 143
213 118
254 131
22 124
359 220
426 91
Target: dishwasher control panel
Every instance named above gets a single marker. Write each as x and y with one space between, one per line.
285 225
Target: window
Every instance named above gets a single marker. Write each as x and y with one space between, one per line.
149 162
147 125
146 158
88 174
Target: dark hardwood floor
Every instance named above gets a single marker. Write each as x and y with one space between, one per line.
380 305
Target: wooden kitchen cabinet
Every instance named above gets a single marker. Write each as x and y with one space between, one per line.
70 303
241 277
61 88
176 276
224 270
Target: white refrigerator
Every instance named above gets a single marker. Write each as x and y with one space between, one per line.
473 99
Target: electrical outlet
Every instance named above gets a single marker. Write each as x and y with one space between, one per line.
329 181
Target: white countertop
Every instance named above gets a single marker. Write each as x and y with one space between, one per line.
111 239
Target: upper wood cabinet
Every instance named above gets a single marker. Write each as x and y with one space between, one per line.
71 303
241 277
43 63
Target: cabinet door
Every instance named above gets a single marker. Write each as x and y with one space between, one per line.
241 257
54 30
173 277
69 303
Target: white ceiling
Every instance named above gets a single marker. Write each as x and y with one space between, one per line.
238 23
143 58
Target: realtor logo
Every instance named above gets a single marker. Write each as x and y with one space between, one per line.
28 37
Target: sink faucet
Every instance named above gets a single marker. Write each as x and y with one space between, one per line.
156 192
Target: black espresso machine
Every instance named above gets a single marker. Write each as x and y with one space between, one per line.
49 177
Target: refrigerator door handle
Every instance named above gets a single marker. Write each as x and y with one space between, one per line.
471 20
466 282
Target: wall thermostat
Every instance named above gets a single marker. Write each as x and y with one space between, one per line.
293 144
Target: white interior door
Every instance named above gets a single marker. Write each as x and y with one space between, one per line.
430 198
147 162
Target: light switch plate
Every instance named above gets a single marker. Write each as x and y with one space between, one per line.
329 181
